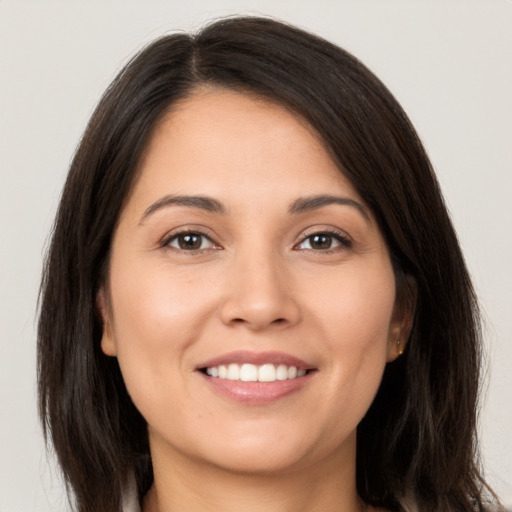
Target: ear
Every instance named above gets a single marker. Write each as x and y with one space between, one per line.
403 316
108 344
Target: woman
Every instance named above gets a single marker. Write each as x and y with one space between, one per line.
254 297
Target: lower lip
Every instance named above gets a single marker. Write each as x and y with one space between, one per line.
257 393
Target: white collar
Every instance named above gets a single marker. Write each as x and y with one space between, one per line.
130 499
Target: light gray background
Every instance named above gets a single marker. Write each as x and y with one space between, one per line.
449 64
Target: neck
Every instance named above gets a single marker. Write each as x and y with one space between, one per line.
187 485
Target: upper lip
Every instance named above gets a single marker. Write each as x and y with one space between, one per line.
256 358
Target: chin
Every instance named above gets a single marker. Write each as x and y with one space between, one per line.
274 454
263 461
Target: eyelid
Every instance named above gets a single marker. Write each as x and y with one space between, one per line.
189 229
341 236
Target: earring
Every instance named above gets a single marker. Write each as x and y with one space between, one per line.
399 348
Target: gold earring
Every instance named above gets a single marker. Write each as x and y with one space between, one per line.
399 349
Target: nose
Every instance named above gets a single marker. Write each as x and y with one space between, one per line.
260 294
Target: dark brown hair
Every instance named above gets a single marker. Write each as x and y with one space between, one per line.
418 438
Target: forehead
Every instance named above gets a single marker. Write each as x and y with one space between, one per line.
229 144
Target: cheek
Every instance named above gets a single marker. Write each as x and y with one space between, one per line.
356 305
156 317
354 319
152 304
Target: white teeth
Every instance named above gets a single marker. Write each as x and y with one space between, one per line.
252 373
267 373
292 372
233 372
282 372
248 373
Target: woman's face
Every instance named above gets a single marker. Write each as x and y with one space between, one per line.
250 295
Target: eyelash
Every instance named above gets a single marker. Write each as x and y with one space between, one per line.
344 241
166 243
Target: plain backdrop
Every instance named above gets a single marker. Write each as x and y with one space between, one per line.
448 62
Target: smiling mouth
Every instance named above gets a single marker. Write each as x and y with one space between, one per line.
256 378
248 372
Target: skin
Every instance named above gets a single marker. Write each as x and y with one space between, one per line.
257 283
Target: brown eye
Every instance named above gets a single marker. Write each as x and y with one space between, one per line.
320 241
190 242
324 242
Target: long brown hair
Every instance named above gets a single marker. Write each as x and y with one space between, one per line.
418 438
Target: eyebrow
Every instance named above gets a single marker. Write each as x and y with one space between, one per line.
205 203
209 204
307 204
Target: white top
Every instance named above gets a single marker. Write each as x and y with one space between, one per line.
131 507
130 497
